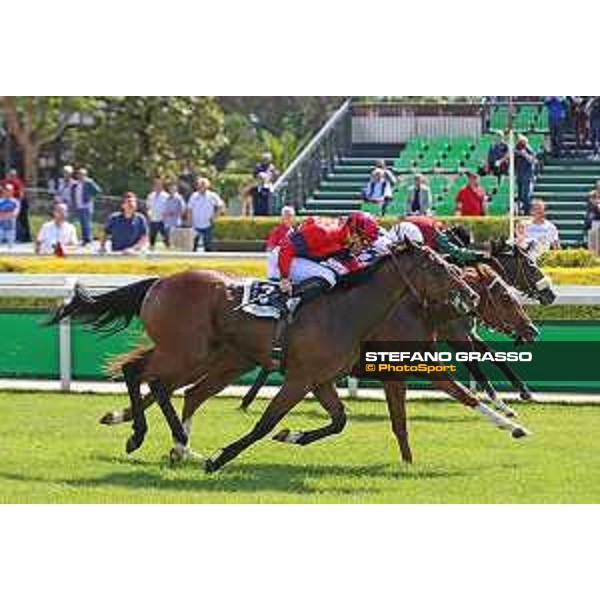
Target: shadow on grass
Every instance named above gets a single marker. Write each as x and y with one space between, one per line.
254 478
321 416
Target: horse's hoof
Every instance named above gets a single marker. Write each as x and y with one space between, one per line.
511 414
526 396
176 457
209 466
111 418
282 436
289 437
133 444
520 433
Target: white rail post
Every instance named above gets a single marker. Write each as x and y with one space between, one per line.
64 337
353 387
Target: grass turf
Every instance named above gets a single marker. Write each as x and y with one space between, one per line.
53 451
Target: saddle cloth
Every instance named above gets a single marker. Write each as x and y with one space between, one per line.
262 299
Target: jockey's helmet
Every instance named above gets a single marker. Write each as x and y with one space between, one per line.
407 231
364 225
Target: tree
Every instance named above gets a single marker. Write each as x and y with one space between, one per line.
38 121
136 138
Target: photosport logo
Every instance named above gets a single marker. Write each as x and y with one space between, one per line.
568 362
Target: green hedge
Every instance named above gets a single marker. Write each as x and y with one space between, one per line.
569 259
246 229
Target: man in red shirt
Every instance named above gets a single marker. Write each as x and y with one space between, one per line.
472 199
277 236
12 178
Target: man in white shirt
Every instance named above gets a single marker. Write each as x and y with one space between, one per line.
56 235
156 204
541 231
204 208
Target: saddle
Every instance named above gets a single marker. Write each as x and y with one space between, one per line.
265 300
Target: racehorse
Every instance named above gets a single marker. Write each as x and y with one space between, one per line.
516 266
195 327
407 322
500 312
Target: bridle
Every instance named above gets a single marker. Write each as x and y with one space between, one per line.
456 283
524 283
504 326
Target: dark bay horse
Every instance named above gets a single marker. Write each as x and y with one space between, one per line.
500 311
407 322
195 327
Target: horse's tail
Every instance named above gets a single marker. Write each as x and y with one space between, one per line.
108 313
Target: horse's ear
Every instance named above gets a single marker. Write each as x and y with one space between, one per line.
530 248
494 247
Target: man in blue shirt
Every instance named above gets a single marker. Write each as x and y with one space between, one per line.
83 193
557 115
525 169
128 229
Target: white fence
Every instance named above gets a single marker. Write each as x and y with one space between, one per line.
62 287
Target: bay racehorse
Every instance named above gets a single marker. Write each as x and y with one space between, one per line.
193 323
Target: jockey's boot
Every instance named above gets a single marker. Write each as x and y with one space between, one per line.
309 290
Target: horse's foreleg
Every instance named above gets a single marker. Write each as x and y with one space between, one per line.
518 383
395 394
213 382
463 395
289 396
484 383
330 401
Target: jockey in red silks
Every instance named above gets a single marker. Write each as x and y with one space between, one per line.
305 254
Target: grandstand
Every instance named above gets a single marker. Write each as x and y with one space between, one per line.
445 158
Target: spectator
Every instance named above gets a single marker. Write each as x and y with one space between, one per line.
593 208
57 235
499 157
64 189
204 208
23 229
595 126
127 229
419 198
580 119
9 211
12 178
557 114
260 195
276 238
83 193
267 166
389 175
379 191
472 200
174 210
541 231
155 205
525 170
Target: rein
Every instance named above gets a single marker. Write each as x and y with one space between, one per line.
505 326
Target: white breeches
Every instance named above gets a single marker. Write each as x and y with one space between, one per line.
272 265
301 270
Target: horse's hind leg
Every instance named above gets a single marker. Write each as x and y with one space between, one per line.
132 373
395 394
163 396
330 401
